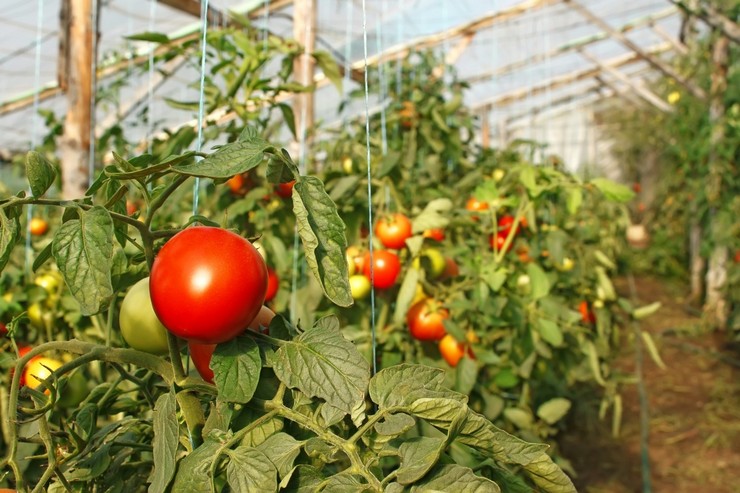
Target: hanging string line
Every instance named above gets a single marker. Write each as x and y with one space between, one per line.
369 193
382 82
34 125
348 60
201 98
150 89
93 91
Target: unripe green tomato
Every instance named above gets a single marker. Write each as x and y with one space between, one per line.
433 261
74 391
567 265
498 175
598 304
49 282
37 317
347 165
359 285
140 327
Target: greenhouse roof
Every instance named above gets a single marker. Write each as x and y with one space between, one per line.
524 59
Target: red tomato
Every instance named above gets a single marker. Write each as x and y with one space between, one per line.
451 268
236 184
452 350
356 256
207 284
435 234
3 329
499 240
425 320
386 268
273 283
636 187
737 257
393 231
22 351
587 316
201 353
285 190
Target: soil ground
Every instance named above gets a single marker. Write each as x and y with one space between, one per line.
694 411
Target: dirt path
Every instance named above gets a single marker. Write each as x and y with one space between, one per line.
694 443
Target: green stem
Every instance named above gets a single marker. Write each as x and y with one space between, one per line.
238 436
368 424
160 200
349 449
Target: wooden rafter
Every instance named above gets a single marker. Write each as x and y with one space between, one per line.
619 91
193 7
666 36
566 79
111 68
454 54
641 91
656 63
571 46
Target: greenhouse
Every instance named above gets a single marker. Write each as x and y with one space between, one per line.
370 246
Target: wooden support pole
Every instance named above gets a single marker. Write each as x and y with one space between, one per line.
74 144
666 69
485 128
641 91
304 32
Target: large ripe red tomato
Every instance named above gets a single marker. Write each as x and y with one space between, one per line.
273 283
201 353
425 320
207 284
393 231
285 190
386 268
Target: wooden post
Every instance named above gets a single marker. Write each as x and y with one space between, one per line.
485 128
74 145
304 31
715 304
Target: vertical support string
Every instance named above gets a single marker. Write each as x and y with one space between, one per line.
369 194
34 126
150 88
93 90
348 60
382 81
199 141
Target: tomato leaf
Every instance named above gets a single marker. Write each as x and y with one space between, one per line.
329 66
550 332
402 385
227 161
612 190
418 456
282 450
343 482
433 216
40 172
219 417
250 470
406 294
540 282
573 200
459 479
165 442
553 410
152 37
322 233
10 233
322 363
289 118
194 471
302 479
395 424
83 250
236 366
466 375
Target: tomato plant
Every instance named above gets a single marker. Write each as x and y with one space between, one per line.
393 231
382 269
140 327
207 284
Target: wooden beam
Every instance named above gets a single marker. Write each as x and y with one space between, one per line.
193 7
74 144
404 49
304 32
666 36
619 91
667 70
641 91
566 79
570 46
113 67
485 128
713 17
453 54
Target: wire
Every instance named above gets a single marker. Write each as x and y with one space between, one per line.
93 90
150 88
201 98
369 194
